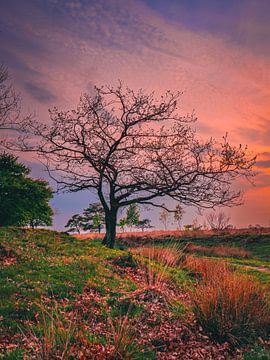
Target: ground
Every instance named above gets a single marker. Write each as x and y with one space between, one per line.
71 298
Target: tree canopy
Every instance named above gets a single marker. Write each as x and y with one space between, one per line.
75 223
92 219
23 201
133 219
130 147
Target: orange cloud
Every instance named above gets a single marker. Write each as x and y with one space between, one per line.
226 83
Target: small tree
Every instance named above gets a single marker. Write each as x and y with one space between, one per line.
178 215
133 215
164 218
218 220
24 201
122 223
93 217
144 224
195 225
75 223
131 148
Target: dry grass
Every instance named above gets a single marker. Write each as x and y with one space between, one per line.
220 250
155 261
54 335
121 338
230 306
208 269
169 256
154 276
173 233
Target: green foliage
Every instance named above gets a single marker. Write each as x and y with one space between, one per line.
133 215
125 260
93 218
122 223
16 354
23 201
144 224
51 264
75 223
132 219
258 353
125 307
54 335
177 309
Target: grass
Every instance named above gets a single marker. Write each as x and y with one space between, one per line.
47 277
220 250
159 264
121 337
53 336
50 265
230 306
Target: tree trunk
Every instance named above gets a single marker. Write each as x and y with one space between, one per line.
110 222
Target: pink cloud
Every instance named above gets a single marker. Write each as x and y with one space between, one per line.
227 84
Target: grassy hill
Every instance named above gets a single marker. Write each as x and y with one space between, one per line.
68 298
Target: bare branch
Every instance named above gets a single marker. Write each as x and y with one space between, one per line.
132 148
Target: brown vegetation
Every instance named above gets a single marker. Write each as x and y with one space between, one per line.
220 250
230 306
169 256
175 233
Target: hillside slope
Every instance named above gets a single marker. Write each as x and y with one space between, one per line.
62 296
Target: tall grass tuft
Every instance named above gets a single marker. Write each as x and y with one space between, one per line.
155 262
169 256
53 336
121 338
230 306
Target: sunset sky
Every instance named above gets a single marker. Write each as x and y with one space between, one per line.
216 51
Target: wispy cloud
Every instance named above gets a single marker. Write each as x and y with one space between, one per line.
57 49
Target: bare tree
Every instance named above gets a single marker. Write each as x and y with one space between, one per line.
131 148
9 102
164 217
218 220
178 215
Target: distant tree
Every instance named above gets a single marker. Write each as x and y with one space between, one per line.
195 225
178 215
23 200
93 217
75 223
130 148
133 215
164 218
218 220
122 223
144 224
